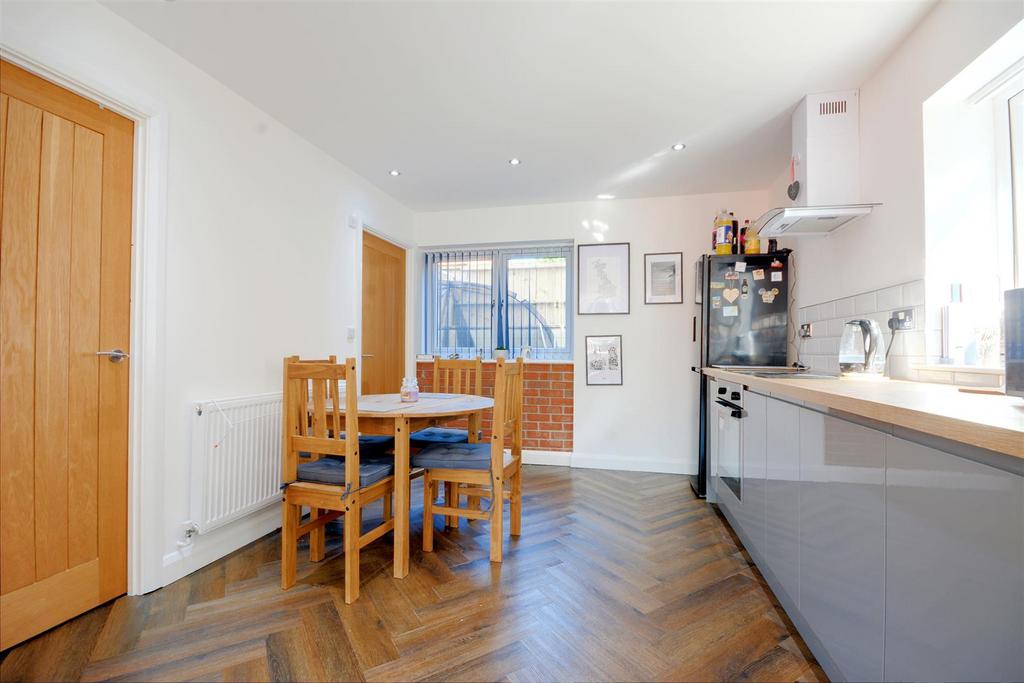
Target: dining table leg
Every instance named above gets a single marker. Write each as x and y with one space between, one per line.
401 502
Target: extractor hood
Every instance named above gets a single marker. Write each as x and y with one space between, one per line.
809 220
824 190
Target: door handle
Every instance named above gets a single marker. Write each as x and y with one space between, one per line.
367 355
114 355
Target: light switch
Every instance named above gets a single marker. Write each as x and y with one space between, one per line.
350 333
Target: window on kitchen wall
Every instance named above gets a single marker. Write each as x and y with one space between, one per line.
517 297
1016 124
974 205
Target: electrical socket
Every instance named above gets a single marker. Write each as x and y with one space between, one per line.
806 331
902 319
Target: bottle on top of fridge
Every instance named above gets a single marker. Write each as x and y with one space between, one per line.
752 242
723 233
735 234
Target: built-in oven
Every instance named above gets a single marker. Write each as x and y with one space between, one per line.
728 402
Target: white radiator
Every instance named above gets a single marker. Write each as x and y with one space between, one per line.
236 458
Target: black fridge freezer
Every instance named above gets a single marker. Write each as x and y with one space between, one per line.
743 321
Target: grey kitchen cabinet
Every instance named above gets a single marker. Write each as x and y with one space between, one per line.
782 494
954 561
753 433
841 551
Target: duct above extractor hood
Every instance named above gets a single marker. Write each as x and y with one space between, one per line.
824 191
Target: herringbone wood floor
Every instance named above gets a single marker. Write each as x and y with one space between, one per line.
617 576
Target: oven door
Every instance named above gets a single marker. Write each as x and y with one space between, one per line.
730 467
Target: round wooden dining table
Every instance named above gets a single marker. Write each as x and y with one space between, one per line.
387 414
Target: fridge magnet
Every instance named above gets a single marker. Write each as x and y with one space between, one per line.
768 295
740 267
663 278
730 311
604 360
777 276
603 278
776 263
731 294
744 289
731 275
759 274
717 285
716 302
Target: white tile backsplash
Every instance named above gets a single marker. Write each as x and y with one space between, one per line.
821 352
889 298
913 293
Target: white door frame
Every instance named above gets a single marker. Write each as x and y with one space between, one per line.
146 368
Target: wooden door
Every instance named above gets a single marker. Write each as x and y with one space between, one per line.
65 273
383 315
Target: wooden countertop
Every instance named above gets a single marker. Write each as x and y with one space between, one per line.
992 422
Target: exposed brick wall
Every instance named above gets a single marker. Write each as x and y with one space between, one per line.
547 402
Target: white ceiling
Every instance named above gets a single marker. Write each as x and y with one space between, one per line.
589 95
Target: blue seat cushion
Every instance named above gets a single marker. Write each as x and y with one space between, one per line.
374 443
332 471
435 435
459 456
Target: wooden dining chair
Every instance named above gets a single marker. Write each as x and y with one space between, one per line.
330 479
482 469
451 376
371 446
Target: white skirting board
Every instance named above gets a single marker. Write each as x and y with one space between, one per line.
630 464
560 458
607 462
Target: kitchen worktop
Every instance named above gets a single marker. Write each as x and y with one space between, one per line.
995 423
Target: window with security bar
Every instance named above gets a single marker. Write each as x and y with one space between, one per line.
518 298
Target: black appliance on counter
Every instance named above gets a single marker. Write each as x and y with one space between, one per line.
743 322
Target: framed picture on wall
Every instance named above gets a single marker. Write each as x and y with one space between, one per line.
602 284
604 360
663 278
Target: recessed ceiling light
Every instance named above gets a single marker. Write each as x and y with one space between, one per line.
678 146
394 172
606 196
514 161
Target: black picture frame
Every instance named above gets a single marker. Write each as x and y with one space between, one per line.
587 360
579 277
679 277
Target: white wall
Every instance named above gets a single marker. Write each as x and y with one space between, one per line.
888 247
650 422
259 260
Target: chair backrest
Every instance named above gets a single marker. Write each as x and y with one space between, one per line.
508 410
459 376
312 414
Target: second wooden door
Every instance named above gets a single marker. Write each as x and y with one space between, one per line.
383 316
65 274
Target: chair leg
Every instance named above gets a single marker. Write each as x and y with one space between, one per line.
289 543
429 491
451 499
386 501
353 524
515 506
317 538
497 519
